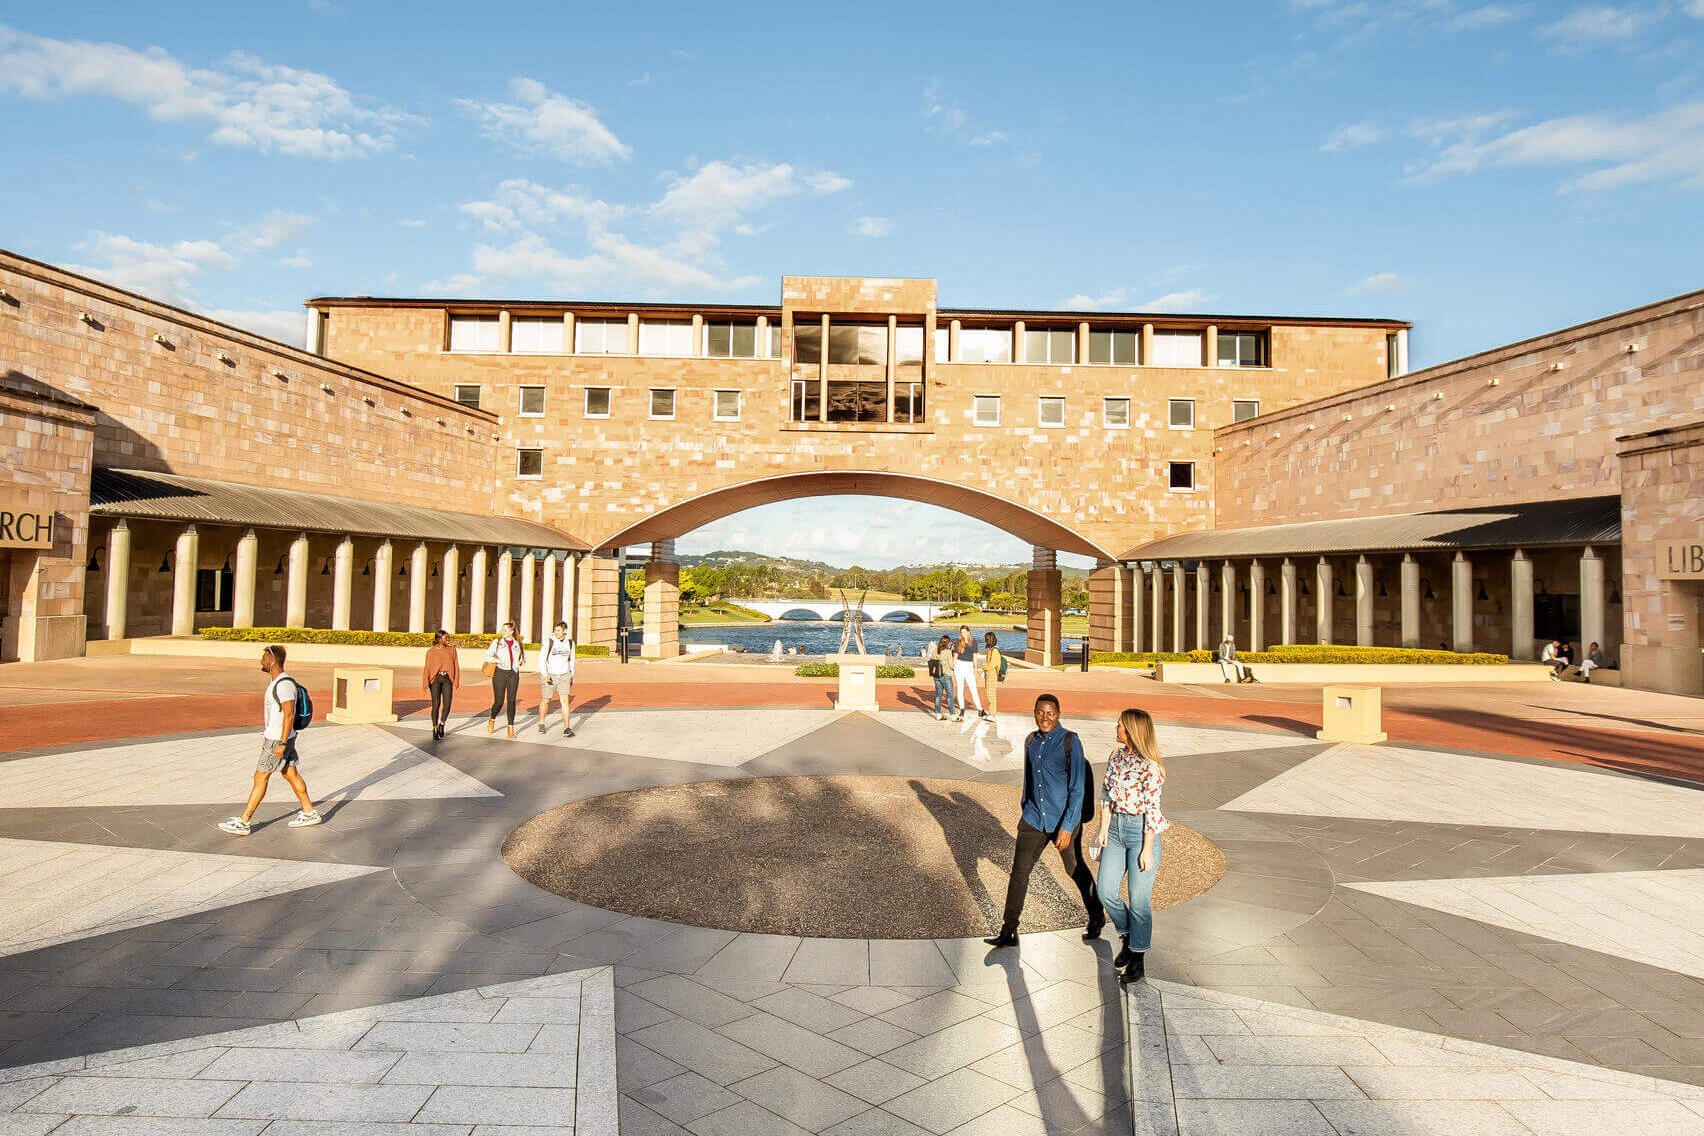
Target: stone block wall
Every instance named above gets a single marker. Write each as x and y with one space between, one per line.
1662 499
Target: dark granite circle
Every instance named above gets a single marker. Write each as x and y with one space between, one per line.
837 857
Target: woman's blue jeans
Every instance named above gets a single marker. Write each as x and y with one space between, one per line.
943 692
1118 864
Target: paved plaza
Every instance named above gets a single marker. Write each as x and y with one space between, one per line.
1409 938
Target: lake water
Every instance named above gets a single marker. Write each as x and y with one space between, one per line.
820 637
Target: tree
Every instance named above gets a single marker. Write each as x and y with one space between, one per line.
636 589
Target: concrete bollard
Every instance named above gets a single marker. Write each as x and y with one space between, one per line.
1352 714
361 695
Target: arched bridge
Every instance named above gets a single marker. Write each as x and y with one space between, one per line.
834 609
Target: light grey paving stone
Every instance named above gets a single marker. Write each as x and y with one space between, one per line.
467 1104
792 1045
278 1100
805 1101
556 1039
637 1120
13 1094
42 1069
875 999
721 1059
685 1098
186 1064
1267 1117
1295 1051
1007 1120
947 1102
633 1012
1381 1118
938 1011
1053 1006
311 1065
598 1100
638 1065
872 1036
876 1122
1066 1103
692 1001
958 1045
138 1126
1262 1082
528 1070
1598 1118
368 1128
745 1119
813 1011
762 957
682 952
1393 1083
41 1123
745 989
449 1037
140 1096
844 961
909 962
539 1010
516 1130
874 1081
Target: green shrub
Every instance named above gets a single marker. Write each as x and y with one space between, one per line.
1123 657
362 638
832 670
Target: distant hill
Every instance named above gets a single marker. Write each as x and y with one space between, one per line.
724 557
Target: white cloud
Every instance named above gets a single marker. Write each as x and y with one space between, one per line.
1187 300
517 202
274 229
1594 26
1487 16
286 325
1695 9
461 284
943 115
250 103
1124 299
1381 282
1352 136
300 260
160 272
875 532
412 223
872 227
611 258
988 138
541 121
1665 146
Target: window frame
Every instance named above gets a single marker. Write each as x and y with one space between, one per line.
1263 349
522 450
1172 466
604 324
496 325
542 321
1106 408
733 327
674 404
609 402
1049 336
456 394
716 414
1236 402
980 335
1040 417
1171 405
521 400
1113 335
671 327
975 408
1171 334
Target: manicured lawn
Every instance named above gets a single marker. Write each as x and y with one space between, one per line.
721 613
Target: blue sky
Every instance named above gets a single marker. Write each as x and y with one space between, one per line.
1489 171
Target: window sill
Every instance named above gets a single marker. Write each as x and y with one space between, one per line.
860 427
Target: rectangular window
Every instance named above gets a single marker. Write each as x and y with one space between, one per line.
1177 349
529 463
1051 411
532 402
597 402
730 340
806 400
1242 349
662 403
908 348
468 394
1242 409
213 589
854 345
943 344
1050 346
985 345
600 336
1115 347
727 406
665 337
908 402
473 333
1182 414
987 409
535 336
1117 413
775 341
807 343
1181 476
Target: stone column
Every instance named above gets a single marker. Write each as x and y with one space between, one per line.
633 333
953 330
529 584
1210 357
185 560
1227 599
1019 344
1203 606
570 574
1180 606
890 363
450 604
1402 359
505 581
118 579
505 331
1520 607
697 348
547 595
296 584
1044 608
1147 359
1157 608
1138 604
1363 602
1287 602
763 352
1083 342
597 596
342 584
1109 607
476 569
662 603
1410 601
382 585
1591 600
1257 605
822 374
1461 603
242 580
417 589
1325 584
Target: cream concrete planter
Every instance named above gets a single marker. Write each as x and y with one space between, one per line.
1376 673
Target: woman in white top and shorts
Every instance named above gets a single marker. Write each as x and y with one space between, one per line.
556 676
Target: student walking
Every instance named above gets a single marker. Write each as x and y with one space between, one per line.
503 662
993 662
1056 808
440 676
1128 844
964 673
556 677
940 660
277 747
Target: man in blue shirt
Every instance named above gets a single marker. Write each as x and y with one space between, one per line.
1057 800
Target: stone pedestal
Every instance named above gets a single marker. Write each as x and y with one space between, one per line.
361 695
597 599
662 610
1109 607
1042 645
1352 714
857 681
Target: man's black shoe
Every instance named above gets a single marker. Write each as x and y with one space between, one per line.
1122 958
1003 939
1093 930
1134 969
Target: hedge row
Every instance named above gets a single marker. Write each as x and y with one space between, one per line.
1139 657
362 638
1344 653
832 670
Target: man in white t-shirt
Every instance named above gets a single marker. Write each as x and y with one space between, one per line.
277 748
556 677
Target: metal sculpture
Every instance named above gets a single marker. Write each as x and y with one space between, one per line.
852 623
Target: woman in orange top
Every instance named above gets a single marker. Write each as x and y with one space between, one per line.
439 678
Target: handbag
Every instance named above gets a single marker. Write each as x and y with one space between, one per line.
936 670
489 669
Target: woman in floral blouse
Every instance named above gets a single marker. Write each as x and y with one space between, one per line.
1129 841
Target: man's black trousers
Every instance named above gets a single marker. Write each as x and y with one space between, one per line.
1031 843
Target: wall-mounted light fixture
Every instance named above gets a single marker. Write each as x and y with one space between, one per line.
1348 418
1428 594
1615 593
326 387
166 562
325 569
1382 592
162 340
1390 407
1340 590
1437 396
1305 591
1482 596
225 359
94 564
279 571
278 374
367 568
1271 588
1309 426
86 318
439 421
1632 347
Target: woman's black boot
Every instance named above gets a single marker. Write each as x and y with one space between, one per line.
1133 970
1122 958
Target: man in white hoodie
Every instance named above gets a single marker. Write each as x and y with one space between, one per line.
556 677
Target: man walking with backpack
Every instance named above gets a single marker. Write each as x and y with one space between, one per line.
286 709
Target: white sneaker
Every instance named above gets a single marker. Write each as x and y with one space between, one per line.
236 826
305 820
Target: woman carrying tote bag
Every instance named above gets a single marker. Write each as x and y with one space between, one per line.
503 662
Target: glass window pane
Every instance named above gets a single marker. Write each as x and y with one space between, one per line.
1243 409
1062 346
1100 346
987 409
718 340
473 333
775 341
1053 412
744 340
1124 348
600 336
536 336
842 344
1182 412
597 402
1118 412
1182 475
1035 346
727 404
943 343
807 343
872 347
530 463
665 337
908 347
468 395
532 400
662 403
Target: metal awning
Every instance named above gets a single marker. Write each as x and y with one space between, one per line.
173 497
1531 524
